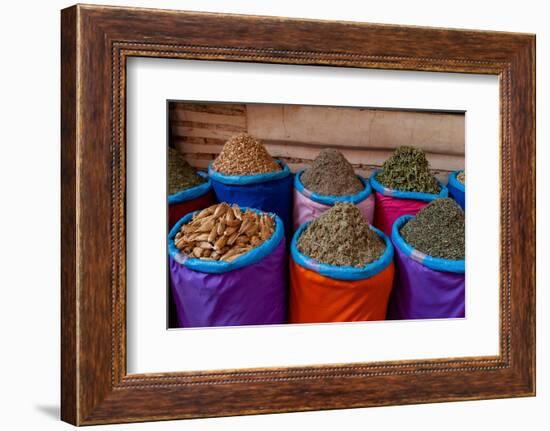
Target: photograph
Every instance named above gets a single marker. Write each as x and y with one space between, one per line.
300 214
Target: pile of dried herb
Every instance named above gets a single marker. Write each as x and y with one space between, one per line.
341 237
408 170
244 155
331 174
181 175
437 230
461 177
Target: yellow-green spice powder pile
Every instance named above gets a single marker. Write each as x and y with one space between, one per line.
181 175
342 237
437 230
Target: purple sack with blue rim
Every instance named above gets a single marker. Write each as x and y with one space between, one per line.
269 192
457 190
424 287
251 290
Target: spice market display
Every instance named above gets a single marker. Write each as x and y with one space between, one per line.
338 242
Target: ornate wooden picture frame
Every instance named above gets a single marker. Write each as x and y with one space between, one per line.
96 42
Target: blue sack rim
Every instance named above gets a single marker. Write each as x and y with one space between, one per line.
426 197
453 181
241 180
191 193
329 199
435 263
348 273
219 267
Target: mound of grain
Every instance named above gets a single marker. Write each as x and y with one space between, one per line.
437 230
244 155
408 170
341 237
181 175
331 174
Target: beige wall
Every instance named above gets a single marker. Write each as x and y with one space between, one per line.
296 134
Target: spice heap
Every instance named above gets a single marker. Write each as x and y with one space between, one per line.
181 175
408 170
461 177
244 155
437 230
223 232
331 174
341 237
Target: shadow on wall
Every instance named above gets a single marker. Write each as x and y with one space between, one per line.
51 411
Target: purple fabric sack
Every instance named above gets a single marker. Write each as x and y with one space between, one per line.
424 287
251 290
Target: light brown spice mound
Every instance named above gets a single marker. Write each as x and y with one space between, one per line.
342 237
223 232
244 155
331 174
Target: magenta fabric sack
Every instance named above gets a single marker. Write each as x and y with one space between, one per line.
392 204
309 205
424 287
251 290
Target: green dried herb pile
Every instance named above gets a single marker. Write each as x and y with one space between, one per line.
437 230
341 237
408 170
181 175
331 174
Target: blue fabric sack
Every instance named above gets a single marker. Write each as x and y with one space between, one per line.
270 192
457 190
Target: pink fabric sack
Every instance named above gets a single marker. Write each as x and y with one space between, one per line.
309 205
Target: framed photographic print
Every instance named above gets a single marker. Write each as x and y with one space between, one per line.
265 215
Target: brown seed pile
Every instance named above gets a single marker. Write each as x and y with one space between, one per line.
223 232
461 177
244 155
341 236
331 174
181 175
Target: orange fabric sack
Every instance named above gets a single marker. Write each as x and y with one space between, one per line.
325 293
